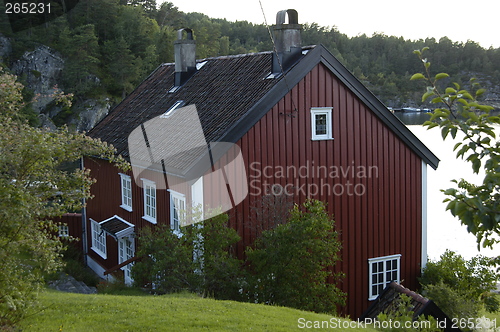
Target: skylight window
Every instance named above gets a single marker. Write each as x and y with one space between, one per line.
273 75
170 111
200 64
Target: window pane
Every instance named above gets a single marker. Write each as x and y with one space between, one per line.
320 124
374 268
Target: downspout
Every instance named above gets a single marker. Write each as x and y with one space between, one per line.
84 222
424 215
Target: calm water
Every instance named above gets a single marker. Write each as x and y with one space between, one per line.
412 118
417 118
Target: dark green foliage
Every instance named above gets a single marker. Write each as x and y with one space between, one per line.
121 66
144 34
81 48
197 261
459 287
33 190
167 265
400 317
453 303
291 264
220 269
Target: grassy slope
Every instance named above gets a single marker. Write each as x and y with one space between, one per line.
75 312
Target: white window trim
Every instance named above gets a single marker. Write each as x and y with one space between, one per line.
98 239
384 259
179 196
125 205
151 218
63 230
321 110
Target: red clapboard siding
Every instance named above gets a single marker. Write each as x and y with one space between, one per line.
385 220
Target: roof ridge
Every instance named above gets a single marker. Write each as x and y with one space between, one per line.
235 56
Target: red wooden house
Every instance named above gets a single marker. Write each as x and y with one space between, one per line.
302 125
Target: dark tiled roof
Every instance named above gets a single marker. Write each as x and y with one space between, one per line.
232 93
117 227
223 90
389 301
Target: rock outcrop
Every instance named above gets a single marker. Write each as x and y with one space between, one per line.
41 71
5 47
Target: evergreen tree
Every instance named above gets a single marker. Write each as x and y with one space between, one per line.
122 68
81 48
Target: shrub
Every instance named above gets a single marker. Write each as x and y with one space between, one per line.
166 266
454 304
220 270
291 264
198 260
469 283
401 318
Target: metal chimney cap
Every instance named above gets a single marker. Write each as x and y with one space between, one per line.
188 31
293 17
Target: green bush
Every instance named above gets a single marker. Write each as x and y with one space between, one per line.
400 317
166 266
291 264
220 269
468 283
455 304
198 261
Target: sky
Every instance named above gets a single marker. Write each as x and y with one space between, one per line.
459 20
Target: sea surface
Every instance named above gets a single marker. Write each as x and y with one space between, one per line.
443 230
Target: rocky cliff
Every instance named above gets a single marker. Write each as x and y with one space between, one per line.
41 71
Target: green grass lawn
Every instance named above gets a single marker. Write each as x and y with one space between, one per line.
184 312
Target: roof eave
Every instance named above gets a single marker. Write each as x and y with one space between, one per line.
316 55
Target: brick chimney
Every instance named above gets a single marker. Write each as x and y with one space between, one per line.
185 56
287 40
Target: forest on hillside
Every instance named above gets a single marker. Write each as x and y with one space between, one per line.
110 46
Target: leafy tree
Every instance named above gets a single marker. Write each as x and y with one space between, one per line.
460 113
137 29
33 189
149 6
169 15
292 263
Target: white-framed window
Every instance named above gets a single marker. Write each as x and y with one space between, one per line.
126 185
149 200
177 210
63 231
98 239
126 251
382 271
321 123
